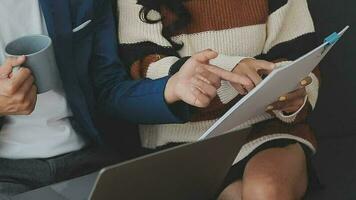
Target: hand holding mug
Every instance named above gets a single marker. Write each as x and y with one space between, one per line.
18 94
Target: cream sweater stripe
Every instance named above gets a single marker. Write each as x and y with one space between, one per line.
287 23
133 30
251 146
313 90
160 69
249 41
153 136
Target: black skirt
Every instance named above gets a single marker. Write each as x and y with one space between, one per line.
236 171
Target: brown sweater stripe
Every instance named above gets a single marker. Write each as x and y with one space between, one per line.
269 127
221 15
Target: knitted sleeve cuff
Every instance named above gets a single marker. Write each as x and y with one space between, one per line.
227 92
292 117
159 69
177 65
313 90
312 97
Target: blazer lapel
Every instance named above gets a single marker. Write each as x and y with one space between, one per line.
58 21
48 15
59 24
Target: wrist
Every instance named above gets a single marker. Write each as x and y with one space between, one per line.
169 92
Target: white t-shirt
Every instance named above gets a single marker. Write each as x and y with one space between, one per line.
47 132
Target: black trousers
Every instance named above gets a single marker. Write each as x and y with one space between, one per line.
18 176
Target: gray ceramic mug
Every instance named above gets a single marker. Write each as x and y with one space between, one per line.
40 59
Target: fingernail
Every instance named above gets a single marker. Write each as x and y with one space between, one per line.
3 75
269 108
16 69
20 58
282 98
304 82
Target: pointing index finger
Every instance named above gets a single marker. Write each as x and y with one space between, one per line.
205 56
228 76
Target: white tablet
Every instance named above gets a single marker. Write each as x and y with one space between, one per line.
280 82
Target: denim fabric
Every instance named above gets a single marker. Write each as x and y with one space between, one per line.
18 176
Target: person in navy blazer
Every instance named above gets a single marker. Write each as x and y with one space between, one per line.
95 82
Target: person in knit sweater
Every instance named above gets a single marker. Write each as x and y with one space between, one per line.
248 38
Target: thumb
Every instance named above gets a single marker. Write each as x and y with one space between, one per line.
264 65
205 56
10 63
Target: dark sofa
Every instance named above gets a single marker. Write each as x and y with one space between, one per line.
335 117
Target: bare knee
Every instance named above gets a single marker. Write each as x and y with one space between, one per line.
276 174
269 189
232 192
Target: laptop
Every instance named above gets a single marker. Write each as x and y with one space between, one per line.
190 171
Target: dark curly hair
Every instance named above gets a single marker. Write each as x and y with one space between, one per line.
176 7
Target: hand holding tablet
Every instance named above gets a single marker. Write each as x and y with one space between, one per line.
280 81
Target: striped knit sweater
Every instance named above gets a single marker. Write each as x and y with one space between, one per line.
278 30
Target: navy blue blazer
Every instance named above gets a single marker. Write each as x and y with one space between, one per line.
93 77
